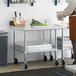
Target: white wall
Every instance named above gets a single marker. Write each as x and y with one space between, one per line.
41 9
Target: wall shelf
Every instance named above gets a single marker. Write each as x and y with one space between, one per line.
58 1
20 2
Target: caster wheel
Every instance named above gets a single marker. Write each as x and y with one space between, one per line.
51 57
16 61
63 62
25 66
56 63
72 56
45 58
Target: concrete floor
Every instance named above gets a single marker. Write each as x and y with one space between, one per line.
32 65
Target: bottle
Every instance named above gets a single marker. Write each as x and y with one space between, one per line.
7 3
31 2
55 2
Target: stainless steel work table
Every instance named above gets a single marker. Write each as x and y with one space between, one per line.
27 48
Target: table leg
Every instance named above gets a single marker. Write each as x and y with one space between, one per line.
43 42
55 44
44 56
63 62
56 62
25 51
14 47
50 43
50 54
62 44
14 43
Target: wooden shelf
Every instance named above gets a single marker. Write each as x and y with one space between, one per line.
20 2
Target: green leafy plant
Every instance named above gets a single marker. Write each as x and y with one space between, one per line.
37 23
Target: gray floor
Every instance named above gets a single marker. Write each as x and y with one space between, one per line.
32 65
